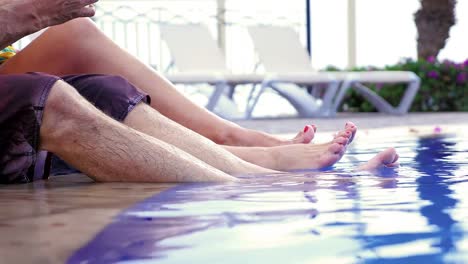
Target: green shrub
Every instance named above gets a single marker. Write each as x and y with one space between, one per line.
444 87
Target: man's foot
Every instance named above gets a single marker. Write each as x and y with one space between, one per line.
385 159
311 156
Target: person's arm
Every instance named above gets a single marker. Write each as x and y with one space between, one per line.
11 29
19 18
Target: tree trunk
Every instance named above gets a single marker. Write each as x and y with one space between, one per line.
433 21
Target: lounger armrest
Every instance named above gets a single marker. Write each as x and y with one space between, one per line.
195 77
383 76
302 77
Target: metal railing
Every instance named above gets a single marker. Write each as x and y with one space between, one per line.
134 26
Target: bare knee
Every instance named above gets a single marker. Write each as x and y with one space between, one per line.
82 27
64 112
74 44
67 111
77 29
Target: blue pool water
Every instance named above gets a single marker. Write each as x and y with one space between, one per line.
418 214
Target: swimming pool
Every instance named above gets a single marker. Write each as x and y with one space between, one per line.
417 214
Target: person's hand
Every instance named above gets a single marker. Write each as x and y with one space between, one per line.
18 18
34 15
53 12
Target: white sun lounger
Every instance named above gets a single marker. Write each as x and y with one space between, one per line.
280 51
199 60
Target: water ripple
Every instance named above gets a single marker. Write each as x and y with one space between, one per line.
416 214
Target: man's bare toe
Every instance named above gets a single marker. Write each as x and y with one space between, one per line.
386 158
394 163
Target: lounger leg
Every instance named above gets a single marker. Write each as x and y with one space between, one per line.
373 98
251 95
377 101
384 106
408 97
254 99
327 105
305 104
230 91
344 87
214 98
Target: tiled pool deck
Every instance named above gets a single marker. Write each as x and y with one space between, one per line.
45 222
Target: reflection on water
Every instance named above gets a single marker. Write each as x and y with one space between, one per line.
417 214
434 167
437 167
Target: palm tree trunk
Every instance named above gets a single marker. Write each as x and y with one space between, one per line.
433 22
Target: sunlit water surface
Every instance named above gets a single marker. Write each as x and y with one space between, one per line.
418 214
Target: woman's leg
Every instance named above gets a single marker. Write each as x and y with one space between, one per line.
80 47
281 158
297 156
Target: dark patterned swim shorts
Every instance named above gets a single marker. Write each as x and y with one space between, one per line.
22 102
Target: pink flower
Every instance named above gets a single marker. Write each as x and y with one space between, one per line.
378 86
431 59
461 78
433 74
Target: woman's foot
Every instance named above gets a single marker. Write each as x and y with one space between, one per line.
385 159
253 138
303 137
352 127
312 156
300 156
307 135
243 137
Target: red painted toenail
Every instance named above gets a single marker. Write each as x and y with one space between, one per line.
306 128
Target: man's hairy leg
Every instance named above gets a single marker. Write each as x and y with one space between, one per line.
93 52
147 120
107 150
